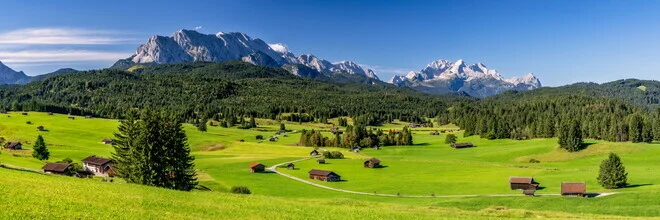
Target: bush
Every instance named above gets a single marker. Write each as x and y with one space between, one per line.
450 139
534 161
260 137
333 155
28 122
240 190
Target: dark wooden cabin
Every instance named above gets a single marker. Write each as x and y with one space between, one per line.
88 116
524 183
321 161
13 145
462 145
290 166
578 189
529 192
257 167
314 153
40 128
434 133
24 113
106 141
324 175
98 165
57 168
372 163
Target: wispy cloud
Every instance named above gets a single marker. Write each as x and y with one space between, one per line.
64 36
55 56
198 28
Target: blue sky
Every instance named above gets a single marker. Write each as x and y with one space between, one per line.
560 41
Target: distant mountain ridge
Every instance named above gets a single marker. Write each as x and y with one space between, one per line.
443 76
10 76
192 46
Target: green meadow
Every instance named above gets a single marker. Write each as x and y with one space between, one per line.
428 167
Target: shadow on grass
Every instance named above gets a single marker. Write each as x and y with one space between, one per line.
638 185
591 195
381 167
422 144
266 172
540 188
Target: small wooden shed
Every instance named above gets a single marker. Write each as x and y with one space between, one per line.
462 145
529 192
106 141
372 163
314 153
578 189
324 175
524 183
56 168
40 128
290 166
321 161
257 167
13 145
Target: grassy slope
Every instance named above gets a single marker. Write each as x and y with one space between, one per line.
429 167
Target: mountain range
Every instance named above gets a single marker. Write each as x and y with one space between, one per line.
10 76
443 76
438 77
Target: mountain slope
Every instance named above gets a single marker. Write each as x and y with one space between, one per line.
192 46
442 76
57 72
9 76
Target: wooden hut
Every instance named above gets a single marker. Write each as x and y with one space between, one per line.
13 145
314 153
40 128
257 167
578 189
24 113
290 166
434 133
462 145
106 141
57 168
529 192
71 117
372 163
524 183
88 116
98 165
324 175
321 161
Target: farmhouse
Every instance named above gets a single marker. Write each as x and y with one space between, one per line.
290 166
324 175
314 153
106 141
578 189
98 165
13 145
462 145
57 168
257 167
321 161
524 183
372 163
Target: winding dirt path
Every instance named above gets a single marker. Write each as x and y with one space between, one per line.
274 169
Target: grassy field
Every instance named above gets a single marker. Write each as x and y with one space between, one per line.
429 167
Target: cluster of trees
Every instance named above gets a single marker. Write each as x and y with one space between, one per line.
357 136
333 155
154 151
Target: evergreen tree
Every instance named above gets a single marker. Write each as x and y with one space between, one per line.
201 126
154 151
636 128
612 173
253 124
570 136
282 127
40 150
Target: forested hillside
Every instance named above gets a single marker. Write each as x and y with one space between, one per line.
202 90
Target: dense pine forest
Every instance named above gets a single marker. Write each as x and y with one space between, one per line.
193 91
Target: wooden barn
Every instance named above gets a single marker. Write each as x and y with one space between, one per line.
106 141
257 167
290 166
99 166
578 189
372 163
324 175
314 153
57 168
462 145
321 161
524 183
13 145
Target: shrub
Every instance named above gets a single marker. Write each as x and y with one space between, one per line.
534 161
28 122
240 190
450 139
260 137
333 155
